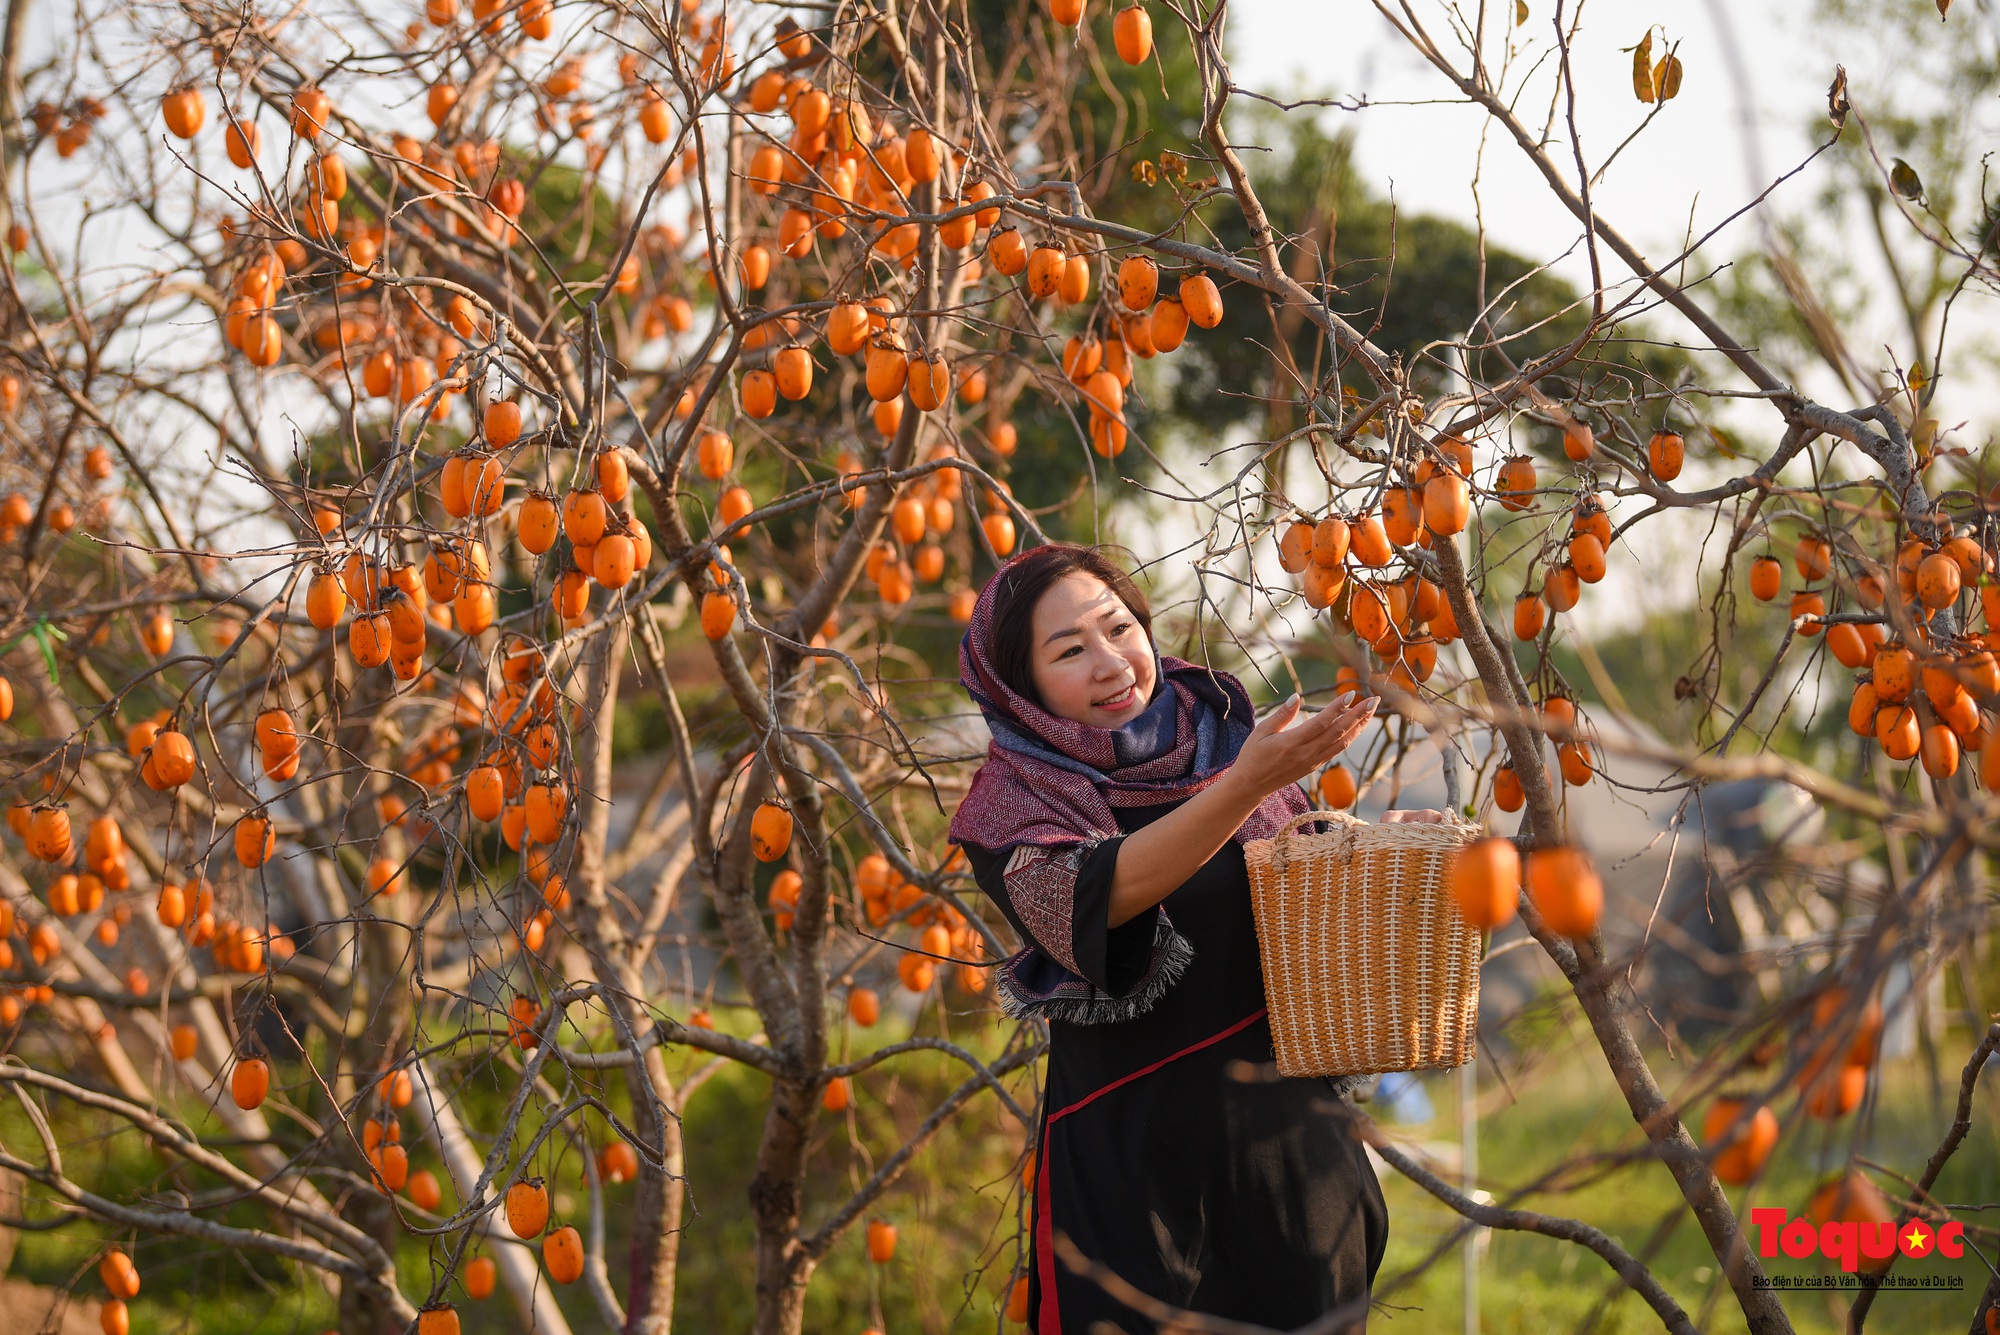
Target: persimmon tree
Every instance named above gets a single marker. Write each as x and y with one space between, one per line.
392 397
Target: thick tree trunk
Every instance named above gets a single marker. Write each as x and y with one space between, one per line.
383 949
381 965
776 1196
657 1209
656 1248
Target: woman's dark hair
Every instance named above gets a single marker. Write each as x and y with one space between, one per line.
1022 585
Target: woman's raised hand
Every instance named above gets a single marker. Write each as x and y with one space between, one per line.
1285 749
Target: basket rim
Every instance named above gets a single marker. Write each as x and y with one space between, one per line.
1449 833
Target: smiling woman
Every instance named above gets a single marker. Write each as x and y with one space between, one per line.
1119 788
1073 634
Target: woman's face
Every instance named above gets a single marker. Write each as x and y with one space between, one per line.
1093 661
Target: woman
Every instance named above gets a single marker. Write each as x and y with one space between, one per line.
1108 823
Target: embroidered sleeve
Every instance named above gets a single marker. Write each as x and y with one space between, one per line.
1041 885
1078 969
1031 985
1084 971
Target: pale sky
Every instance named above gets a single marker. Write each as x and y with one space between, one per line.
1692 162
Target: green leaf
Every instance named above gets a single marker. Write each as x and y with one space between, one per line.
44 631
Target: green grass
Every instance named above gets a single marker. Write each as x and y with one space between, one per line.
1572 1112
956 1210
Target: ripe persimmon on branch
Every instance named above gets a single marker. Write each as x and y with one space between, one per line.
485 524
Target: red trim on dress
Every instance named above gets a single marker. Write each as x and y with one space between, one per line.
1045 1255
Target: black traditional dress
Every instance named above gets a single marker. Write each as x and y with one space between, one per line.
1171 1151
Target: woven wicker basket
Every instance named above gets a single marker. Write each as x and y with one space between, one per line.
1368 966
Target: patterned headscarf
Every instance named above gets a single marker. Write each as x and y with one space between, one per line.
1053 782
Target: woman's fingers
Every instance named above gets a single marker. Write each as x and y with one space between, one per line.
1353 721
1330 732
1348 723
1278 719
1283 748
1331 717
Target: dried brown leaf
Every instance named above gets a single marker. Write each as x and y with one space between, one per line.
1642 69
1667 77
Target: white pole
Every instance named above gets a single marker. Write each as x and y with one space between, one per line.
1468 1137
1468 1074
